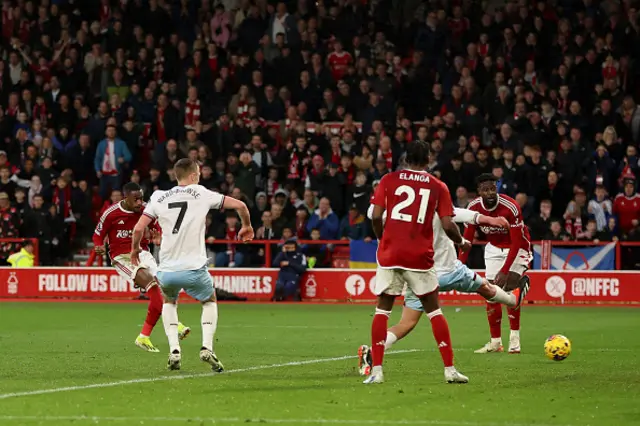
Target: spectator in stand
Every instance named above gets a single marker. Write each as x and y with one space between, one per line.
626 207
324 220
354 225
540 225
10 224
231 255
111 155
556 233
292 263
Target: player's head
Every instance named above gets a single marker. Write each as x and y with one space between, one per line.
418 155
187 172
487 189
132 197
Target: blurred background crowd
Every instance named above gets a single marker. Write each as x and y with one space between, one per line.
300 107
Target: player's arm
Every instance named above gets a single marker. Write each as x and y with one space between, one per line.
246 232
516 233
101 232
445 211
467 217
138 232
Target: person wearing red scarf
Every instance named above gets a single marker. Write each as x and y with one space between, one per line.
192 109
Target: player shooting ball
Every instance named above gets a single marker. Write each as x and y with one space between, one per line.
507 256
116 225
452 275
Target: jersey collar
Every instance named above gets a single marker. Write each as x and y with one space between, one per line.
494 207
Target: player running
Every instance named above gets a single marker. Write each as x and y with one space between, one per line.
115 226
181 213
452 275
506 256
405 253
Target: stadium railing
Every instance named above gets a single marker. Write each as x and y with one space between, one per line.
337 250
12 245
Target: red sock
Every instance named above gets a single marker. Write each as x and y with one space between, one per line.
514 318
154 311
440 330
494 315
378 336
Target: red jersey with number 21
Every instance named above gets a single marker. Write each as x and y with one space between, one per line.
410 198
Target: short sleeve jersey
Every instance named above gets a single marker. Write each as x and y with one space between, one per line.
410 199
181 213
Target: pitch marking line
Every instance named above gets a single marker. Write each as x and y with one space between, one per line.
97 419
187 376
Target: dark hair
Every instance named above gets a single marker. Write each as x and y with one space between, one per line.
130 187
485 177
418 153
183 167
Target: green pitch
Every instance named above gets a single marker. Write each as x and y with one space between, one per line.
288 365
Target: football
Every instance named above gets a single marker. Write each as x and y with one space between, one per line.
557 347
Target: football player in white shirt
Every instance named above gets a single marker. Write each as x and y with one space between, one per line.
181 213
452 275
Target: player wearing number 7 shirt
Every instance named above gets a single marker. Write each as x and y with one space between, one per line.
506 256
405 252
181 213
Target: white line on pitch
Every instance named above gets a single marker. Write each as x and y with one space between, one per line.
185 376
98 419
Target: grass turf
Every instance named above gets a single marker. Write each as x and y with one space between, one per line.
56 345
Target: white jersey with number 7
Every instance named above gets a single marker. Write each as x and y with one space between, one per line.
181 212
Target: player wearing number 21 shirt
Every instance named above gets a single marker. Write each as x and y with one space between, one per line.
507 256
405 252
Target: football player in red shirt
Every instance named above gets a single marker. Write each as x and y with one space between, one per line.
405 252
507 256
116 225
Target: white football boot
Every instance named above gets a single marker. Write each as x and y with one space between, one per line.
451 375
175 360
514 342
490 347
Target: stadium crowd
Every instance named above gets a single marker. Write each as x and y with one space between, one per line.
300 107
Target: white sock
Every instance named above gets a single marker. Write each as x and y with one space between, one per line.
391 339
170 322
209 323
451 369
503 297
515 333
496 341
377 369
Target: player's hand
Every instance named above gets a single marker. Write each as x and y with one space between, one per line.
99 250
135 256
284 263
465 246
501 280
498 222
246 234
155 235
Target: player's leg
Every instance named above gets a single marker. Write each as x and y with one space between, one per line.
199 285
171 283
389 284
513 282
425 286
408 321
494 259
146 281
145 278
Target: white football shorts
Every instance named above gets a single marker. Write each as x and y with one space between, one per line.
392 281
495 257
126 270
